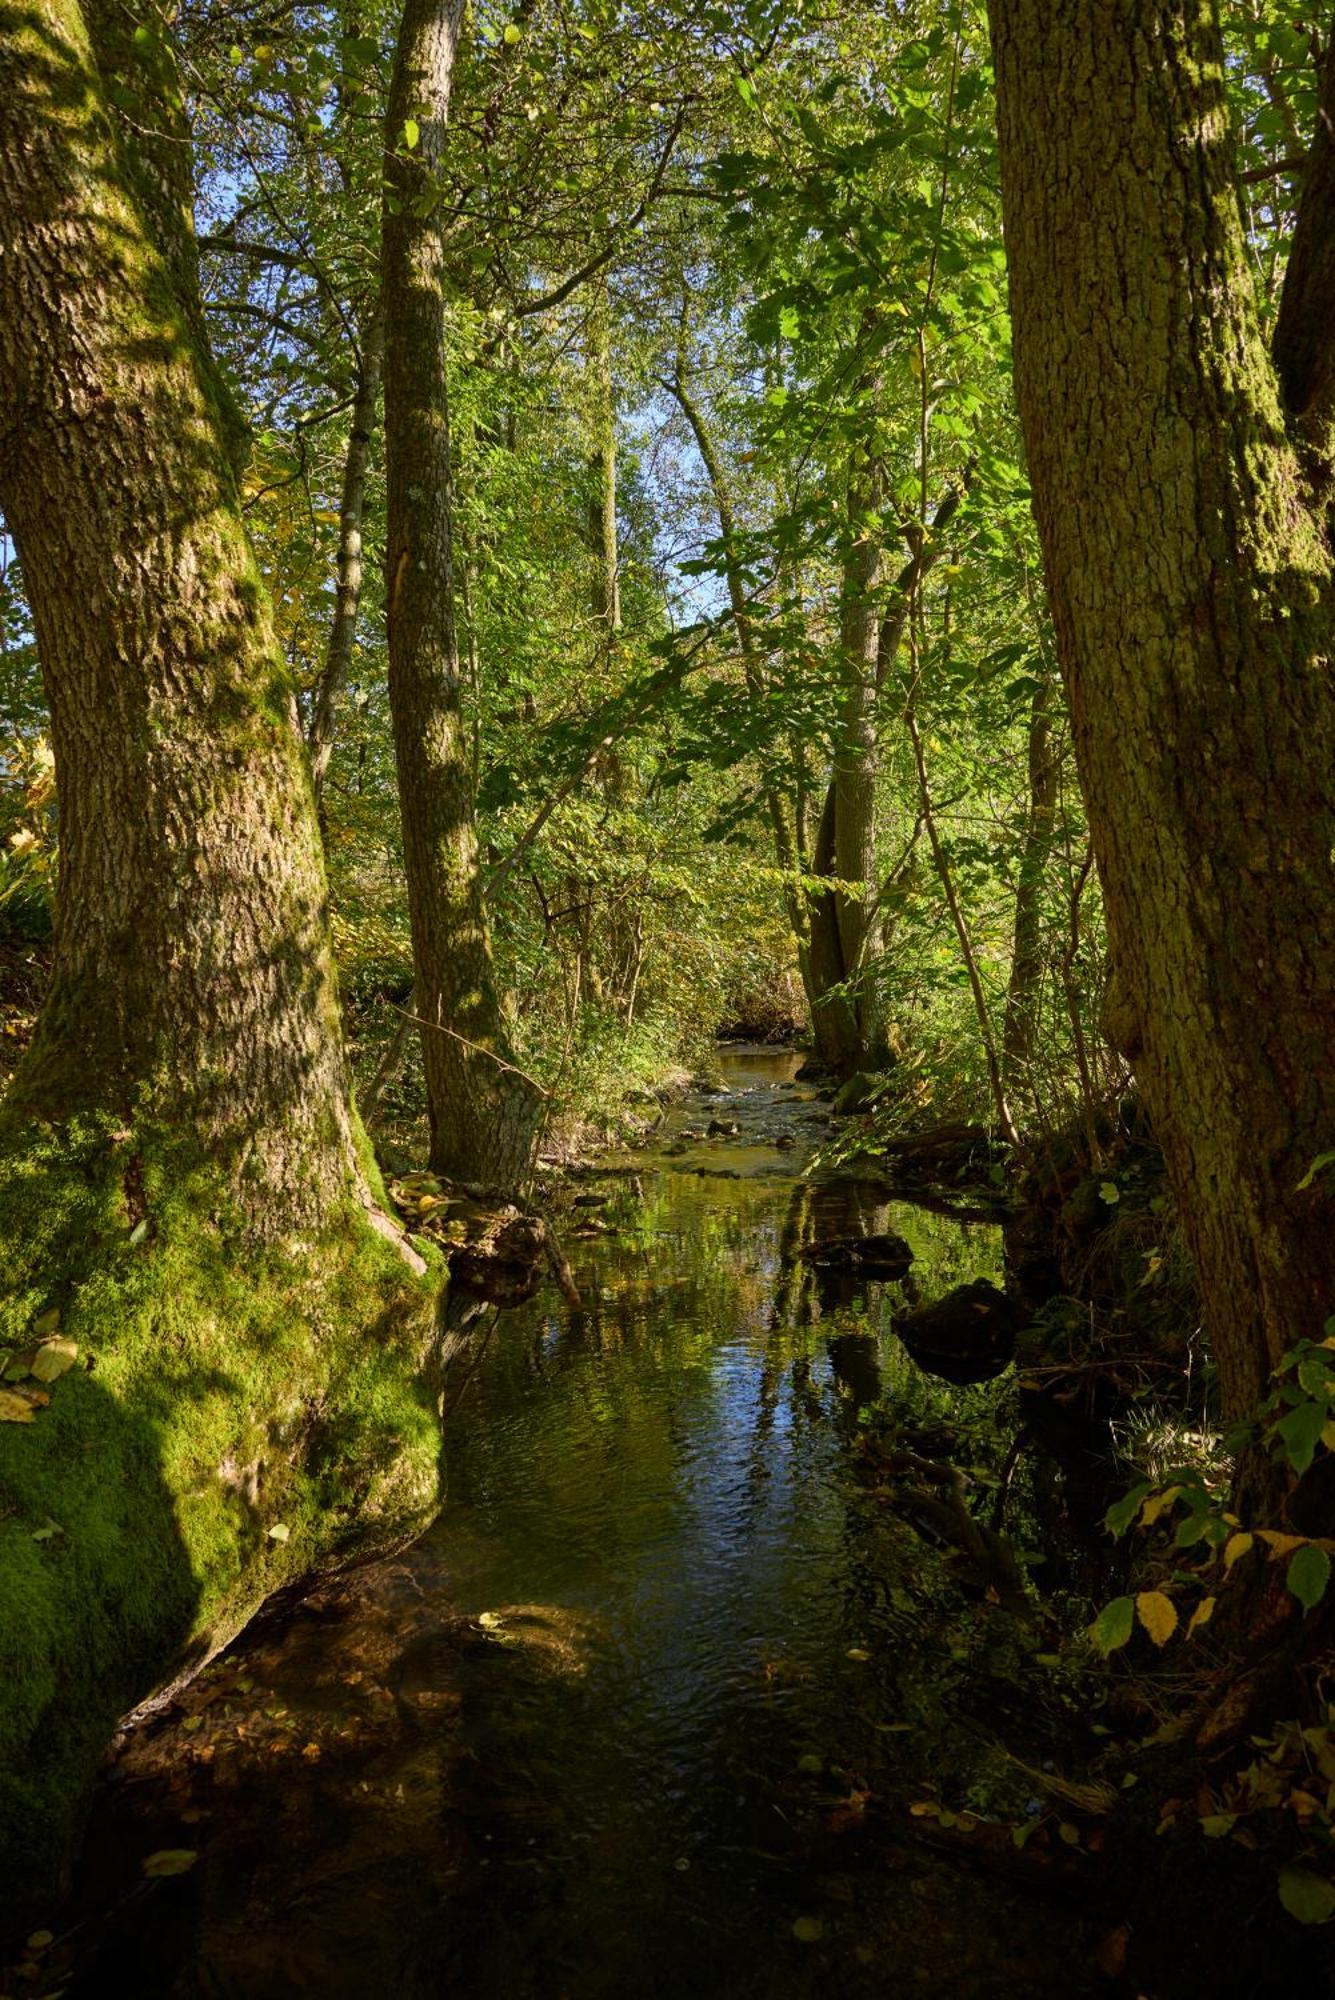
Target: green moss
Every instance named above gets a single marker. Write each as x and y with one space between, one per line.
219 1394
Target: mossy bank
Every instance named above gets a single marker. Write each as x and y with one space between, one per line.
231 1420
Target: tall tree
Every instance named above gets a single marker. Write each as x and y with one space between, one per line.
482 1109
1191 592
183 1176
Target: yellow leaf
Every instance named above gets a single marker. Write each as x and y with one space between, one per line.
1235 1548
1328 1434
1202 1615
1158 1614
53 1357
14 1409
279 1531
1280 1545
1158 1503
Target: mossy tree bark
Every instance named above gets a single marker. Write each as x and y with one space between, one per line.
182 1179
192 965
1191 594
483 1113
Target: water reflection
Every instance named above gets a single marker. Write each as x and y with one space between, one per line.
657 1688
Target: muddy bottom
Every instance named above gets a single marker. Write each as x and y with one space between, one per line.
669 1701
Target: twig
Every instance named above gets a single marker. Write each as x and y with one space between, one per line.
477 1047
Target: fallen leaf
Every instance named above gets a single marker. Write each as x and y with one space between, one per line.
279 1532
14 1409
54 1358
1306 1895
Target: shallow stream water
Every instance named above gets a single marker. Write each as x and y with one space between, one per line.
649 1709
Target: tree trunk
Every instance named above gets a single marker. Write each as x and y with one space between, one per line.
191 956
483 1114
603 467
348 583
1019 1032
185 1187
1190 591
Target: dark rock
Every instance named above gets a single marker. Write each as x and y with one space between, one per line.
785 1142
813 1071
968 1336
719 1128
590 1200
855 1095
863 1256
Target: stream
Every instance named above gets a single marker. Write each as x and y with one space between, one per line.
668 1701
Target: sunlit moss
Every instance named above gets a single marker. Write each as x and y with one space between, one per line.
220 1396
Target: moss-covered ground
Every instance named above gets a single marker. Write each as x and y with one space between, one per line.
232 1420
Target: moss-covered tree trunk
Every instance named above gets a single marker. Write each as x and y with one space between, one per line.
483 1113
1190 590
182 1187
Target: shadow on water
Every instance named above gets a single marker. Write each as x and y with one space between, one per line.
645 1712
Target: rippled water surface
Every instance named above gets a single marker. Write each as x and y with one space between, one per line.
647 1710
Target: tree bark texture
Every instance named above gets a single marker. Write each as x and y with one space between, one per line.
482 1114
1190 589
192 975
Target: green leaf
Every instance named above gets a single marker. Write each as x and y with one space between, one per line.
512 34
1110 1193
1300 1432
1114 1624
1306 1895
1308 1575
1124 1511
412 132
1318 1166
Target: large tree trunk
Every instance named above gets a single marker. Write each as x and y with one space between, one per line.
181 1172
483 1112
1190 591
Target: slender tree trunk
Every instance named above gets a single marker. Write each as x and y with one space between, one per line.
483 1115
603 506
1019 1031
348 583
946 877
1190 590
855 763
